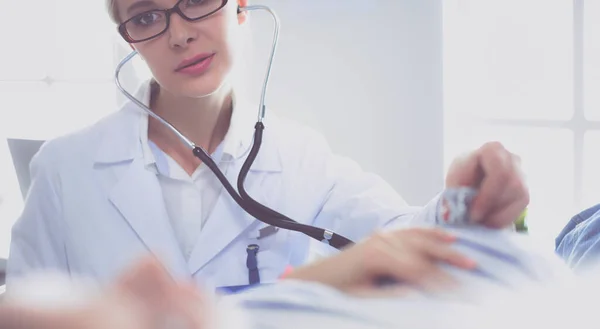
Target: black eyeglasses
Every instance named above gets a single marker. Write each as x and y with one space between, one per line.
152 23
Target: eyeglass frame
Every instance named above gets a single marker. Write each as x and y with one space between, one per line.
167 12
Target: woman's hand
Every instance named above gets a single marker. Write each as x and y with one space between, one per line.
146 297
496 174
408 256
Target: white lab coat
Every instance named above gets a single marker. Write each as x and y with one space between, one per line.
93 208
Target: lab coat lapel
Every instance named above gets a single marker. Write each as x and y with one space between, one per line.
137 194
138 197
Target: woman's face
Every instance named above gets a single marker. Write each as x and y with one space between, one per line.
191 58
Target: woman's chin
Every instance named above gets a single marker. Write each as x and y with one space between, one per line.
198 88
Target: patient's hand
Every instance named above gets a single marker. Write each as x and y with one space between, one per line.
409 256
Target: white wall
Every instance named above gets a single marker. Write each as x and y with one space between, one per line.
367 74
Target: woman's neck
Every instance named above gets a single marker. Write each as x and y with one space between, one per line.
205 121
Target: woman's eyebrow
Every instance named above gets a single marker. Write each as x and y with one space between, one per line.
140 5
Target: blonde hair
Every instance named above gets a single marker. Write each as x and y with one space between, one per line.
113 12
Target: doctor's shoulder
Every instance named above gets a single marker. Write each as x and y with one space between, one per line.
79 148
296 141
307 149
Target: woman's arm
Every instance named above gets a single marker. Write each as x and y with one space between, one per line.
37 237
20 317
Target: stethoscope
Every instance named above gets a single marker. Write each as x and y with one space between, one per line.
245 201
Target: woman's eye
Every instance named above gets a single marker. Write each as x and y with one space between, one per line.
196 2
146 19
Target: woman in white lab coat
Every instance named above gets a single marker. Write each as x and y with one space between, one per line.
103 197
